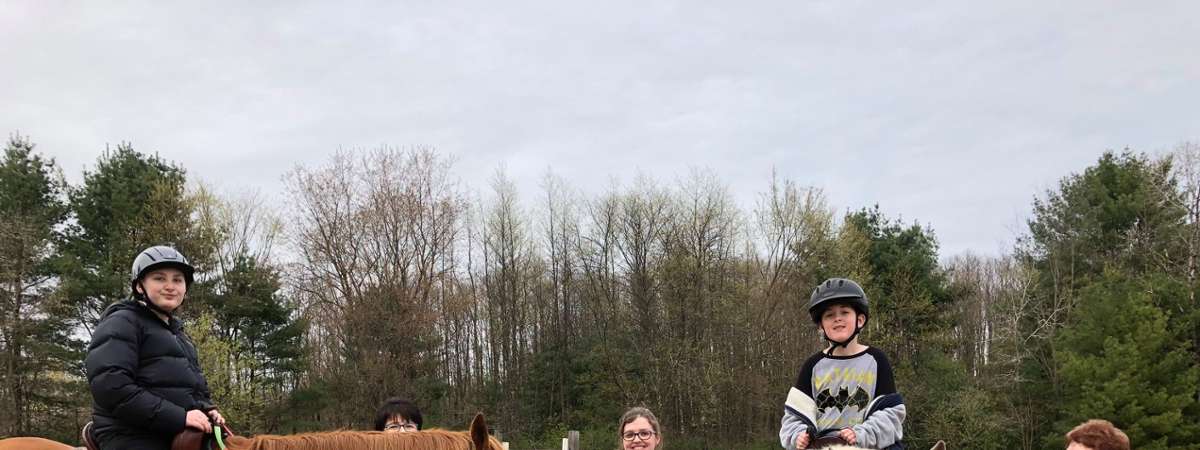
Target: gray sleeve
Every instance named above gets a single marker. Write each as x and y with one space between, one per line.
790 428
799 416
882 428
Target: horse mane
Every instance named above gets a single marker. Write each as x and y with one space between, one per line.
365 440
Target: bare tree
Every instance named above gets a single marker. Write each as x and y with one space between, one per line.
599 256
642 222
375 235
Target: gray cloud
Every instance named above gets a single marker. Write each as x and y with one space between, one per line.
949 113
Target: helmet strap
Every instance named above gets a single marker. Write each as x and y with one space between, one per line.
833 345
144 299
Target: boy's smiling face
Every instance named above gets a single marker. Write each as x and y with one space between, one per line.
839 322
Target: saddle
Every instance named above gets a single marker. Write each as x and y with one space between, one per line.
188 439
89 441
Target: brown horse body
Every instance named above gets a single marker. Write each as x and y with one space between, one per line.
32 443
364 440
356 440
474 439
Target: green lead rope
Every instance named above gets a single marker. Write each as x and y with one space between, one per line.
217 433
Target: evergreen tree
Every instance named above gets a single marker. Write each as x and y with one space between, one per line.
911 316
250 311
908 289
1120 361
254 339
1111 215
131 201
36 361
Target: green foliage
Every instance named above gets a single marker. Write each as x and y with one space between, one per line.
1117 216
945 403
1118 212
252 343
302 409
1120 361
31 188
238 397
131 201
908 290
38 360
249 311
657 299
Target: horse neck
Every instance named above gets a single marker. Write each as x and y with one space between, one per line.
430 440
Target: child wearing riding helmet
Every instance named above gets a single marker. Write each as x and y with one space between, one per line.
142 369
846 390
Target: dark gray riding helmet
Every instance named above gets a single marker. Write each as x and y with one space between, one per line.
837 290
157 257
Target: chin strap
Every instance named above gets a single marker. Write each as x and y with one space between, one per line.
141 298
833 345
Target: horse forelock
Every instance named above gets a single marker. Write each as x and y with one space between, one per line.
367 440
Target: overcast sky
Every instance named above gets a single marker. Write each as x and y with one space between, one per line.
951 113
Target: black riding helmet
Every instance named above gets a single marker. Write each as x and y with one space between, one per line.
837 290
157 257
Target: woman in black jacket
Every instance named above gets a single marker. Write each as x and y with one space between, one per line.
142 369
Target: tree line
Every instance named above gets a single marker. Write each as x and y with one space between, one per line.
382 274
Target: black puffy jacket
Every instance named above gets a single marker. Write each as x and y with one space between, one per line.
144 377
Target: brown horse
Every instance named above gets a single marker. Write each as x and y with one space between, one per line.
32 443
474 439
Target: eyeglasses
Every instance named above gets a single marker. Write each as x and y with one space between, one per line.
641 435
406 426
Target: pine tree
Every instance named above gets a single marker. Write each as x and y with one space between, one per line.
1121 362
131 201
36 361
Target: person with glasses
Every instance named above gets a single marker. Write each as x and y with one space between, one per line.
397 415
639 430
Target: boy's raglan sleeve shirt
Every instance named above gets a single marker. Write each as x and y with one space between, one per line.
883 424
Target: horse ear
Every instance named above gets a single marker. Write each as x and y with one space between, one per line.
940 445
479 432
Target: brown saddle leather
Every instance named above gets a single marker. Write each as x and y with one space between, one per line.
89 441
193 439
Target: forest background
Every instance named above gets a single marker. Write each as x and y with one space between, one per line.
378 274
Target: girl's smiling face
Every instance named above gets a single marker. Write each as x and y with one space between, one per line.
639 434
164 287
